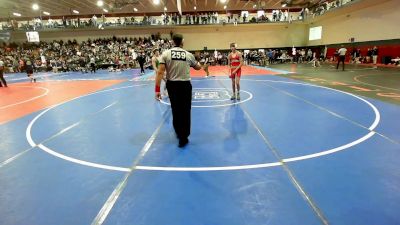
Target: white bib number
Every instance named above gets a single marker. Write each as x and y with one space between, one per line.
178 55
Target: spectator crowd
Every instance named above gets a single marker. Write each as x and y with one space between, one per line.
118 53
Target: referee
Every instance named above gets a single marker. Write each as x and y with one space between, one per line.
177 62
342 56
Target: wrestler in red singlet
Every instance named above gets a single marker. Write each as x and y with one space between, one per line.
235 62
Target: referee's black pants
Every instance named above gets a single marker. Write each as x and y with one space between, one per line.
92 67
180 95
341 59
141 67
2 80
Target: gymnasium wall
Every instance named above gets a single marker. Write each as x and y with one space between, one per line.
196 37
377 22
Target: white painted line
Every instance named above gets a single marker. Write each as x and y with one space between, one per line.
112 199
204 169
296 183
219 168
376 112
38 76
217 105
110 105
214 100
14 158
56 154
374 85
81 162
57 134
28 100
307 197
347 69
334 150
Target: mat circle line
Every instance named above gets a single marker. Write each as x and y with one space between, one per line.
216 105
356 78
28 100
204 169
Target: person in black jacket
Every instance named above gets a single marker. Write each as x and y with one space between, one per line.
29 69
141 59
369 55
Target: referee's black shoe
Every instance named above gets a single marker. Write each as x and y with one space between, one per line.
183 142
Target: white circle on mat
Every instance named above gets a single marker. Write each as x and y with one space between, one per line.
249 96
217 168
46 91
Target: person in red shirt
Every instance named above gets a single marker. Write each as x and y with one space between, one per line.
235 62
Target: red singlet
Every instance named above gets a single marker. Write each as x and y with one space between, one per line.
235 62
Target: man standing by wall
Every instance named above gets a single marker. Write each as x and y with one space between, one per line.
374 55
92 64
177 62
342 56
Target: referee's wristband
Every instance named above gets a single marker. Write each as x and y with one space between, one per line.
157 88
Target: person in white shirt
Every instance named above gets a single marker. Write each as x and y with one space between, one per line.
315 60
134 57
92 65
309 55
286 15
374 55
306 12
342 56
94 20
302 55
2 80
